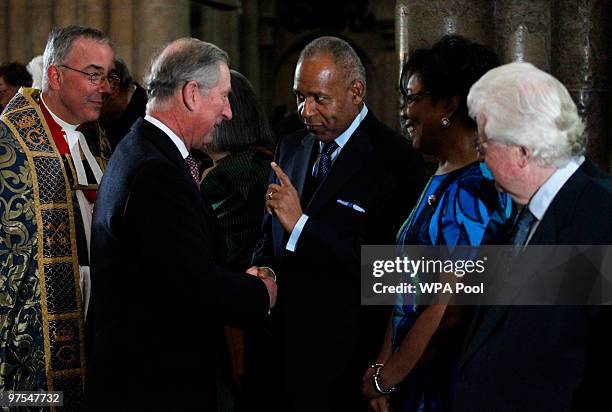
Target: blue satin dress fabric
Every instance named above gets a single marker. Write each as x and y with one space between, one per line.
469 211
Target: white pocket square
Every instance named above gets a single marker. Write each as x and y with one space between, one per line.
351 205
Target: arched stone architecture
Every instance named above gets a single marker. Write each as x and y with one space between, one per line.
570 38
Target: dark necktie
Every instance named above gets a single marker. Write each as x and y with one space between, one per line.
522 227
325 161
193 169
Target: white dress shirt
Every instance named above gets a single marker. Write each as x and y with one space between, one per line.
543 197
341 141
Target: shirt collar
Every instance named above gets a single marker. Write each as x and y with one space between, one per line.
64 125
544 196
346 135
180 145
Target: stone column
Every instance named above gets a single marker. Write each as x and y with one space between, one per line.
522 29
425 21
581 60
94 13
121 30
19 47
65 13
249 48
42 23
419 23
221 28
401 34
4 30
157 23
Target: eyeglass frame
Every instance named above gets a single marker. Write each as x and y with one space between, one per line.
481 146
111 78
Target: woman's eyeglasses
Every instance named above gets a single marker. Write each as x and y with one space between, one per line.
410 98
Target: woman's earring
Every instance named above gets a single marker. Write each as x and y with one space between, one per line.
445 122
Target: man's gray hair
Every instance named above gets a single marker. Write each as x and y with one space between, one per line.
181 61
344 56
59 45
528 107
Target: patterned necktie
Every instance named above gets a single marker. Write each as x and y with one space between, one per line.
193 169
325 161
522 227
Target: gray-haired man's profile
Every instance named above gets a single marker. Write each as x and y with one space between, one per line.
159 295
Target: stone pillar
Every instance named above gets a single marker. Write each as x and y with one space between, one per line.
401 34
419 23
522 30
249 48
425 21
157 23
221 28
19 47
42 23
94 13
581 60
4 30
268 29
121 30
65 13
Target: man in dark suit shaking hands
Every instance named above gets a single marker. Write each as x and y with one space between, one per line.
346 181
539 358
160 298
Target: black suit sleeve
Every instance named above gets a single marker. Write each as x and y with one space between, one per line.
167 218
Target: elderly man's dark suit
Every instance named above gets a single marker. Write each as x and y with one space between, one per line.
326 338
547 358
159 298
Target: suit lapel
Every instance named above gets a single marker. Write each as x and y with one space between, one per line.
346 165
557 217
301 163
162 142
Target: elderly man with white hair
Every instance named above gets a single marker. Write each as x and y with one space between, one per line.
547 357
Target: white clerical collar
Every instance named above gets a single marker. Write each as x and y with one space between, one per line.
64 125
180 145
544 196
346 135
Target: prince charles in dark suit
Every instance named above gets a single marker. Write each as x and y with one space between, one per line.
160 297
346 181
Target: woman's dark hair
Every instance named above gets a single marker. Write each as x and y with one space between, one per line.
15 74
249 125
122 71
449 68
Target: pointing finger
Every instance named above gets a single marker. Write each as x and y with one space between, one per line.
284 179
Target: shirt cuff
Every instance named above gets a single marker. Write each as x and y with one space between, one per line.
296 232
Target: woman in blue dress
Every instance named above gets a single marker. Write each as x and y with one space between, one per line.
459 206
